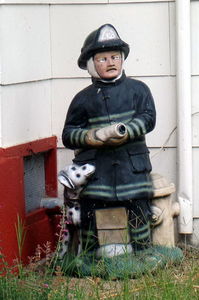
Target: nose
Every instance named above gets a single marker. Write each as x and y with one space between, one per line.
110 61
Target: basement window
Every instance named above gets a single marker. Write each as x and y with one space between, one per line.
34 181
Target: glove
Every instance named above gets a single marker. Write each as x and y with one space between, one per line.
91 138
117 141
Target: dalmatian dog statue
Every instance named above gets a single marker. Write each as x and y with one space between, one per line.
73 178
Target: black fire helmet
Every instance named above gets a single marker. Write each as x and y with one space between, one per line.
105 38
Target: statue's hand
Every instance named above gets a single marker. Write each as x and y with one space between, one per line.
117 141
91 138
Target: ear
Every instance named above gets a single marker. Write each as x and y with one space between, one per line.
65 180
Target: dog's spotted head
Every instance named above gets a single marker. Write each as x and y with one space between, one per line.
74 176
73 212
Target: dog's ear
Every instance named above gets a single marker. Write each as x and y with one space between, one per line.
65 180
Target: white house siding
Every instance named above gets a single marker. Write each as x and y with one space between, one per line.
25 112
40 42
25 73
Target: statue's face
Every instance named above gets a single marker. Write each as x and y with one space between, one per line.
108 64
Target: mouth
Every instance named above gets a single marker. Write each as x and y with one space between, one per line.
111 69
89 174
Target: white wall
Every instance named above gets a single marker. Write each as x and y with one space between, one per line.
40 42
25 54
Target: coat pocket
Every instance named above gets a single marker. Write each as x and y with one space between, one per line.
140 162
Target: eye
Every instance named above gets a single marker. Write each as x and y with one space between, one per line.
84 168
78 175
101 59
76 208
73 168
116 57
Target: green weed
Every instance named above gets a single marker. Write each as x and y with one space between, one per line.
37 282
85 278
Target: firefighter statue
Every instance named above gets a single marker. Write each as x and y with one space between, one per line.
106 125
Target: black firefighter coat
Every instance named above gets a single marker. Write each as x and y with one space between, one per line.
122 172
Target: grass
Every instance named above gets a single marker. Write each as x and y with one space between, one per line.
41 282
